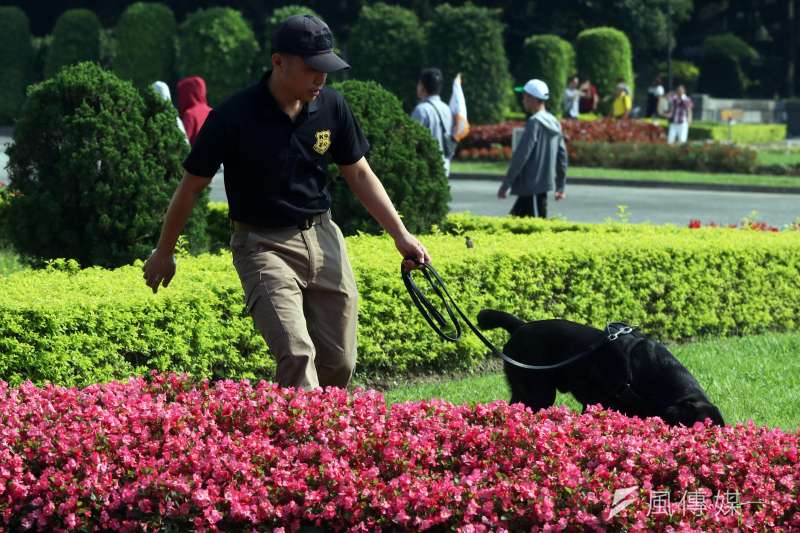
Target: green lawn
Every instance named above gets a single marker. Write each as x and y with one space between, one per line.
755 377
674 176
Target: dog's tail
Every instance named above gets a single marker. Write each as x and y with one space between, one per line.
490 319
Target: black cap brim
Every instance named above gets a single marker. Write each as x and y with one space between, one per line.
327 62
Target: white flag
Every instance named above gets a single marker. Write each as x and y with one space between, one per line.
458 107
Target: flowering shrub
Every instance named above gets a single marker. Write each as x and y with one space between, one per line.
168 453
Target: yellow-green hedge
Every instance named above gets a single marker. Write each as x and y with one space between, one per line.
94 325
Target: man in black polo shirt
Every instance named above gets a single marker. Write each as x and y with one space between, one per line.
275 139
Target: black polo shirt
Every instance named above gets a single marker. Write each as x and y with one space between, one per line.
275 168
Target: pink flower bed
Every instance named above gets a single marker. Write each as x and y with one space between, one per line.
168 452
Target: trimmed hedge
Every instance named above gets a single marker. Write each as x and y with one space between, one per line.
16 61
404 156
738 133
218 45
95 163
271 24
387 45
146 39
94 325
547 57
469 39
706 157
604 56
76 38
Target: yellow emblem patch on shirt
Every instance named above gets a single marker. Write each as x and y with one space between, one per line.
323 141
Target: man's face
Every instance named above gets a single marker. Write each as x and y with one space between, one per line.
302 82
573 83
421 92
680 90
529 102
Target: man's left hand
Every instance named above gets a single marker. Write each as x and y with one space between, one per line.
560 195
409 247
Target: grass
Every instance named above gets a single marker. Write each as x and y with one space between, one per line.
749 378
673 176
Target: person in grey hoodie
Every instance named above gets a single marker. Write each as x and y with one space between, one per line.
539 163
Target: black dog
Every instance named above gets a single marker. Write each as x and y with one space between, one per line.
632 374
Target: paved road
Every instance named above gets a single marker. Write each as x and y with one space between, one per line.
594 203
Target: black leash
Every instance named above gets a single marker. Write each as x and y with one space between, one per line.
434 317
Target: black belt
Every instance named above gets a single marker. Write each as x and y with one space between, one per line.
303 225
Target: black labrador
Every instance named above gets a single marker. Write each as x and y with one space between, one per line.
632 374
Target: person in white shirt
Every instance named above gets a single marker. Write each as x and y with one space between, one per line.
572 98
654 93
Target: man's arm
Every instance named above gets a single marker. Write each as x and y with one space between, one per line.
160 267
370 192
562 161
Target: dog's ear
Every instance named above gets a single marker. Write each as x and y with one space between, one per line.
688 412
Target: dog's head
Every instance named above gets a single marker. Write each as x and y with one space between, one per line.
687 412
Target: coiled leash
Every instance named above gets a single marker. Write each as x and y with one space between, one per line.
434 317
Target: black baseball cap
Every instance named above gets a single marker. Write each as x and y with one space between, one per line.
310 38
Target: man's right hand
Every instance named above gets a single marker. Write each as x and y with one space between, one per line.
159 269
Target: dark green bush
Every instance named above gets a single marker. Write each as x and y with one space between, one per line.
274 20
403 155
146 37
604 56
469 39
41 47
218 226
76 38
547 57
16 61
218 45
78 328
386 45
94 165
706 157
726 60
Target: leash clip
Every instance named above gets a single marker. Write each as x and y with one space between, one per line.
625 330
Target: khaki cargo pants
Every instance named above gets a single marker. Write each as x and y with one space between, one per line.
300 291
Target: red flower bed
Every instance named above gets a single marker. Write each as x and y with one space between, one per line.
695 223
611 130
602 130
169 453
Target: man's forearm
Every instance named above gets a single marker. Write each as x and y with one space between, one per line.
180 207
370 192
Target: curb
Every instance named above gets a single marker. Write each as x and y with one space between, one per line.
611 182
